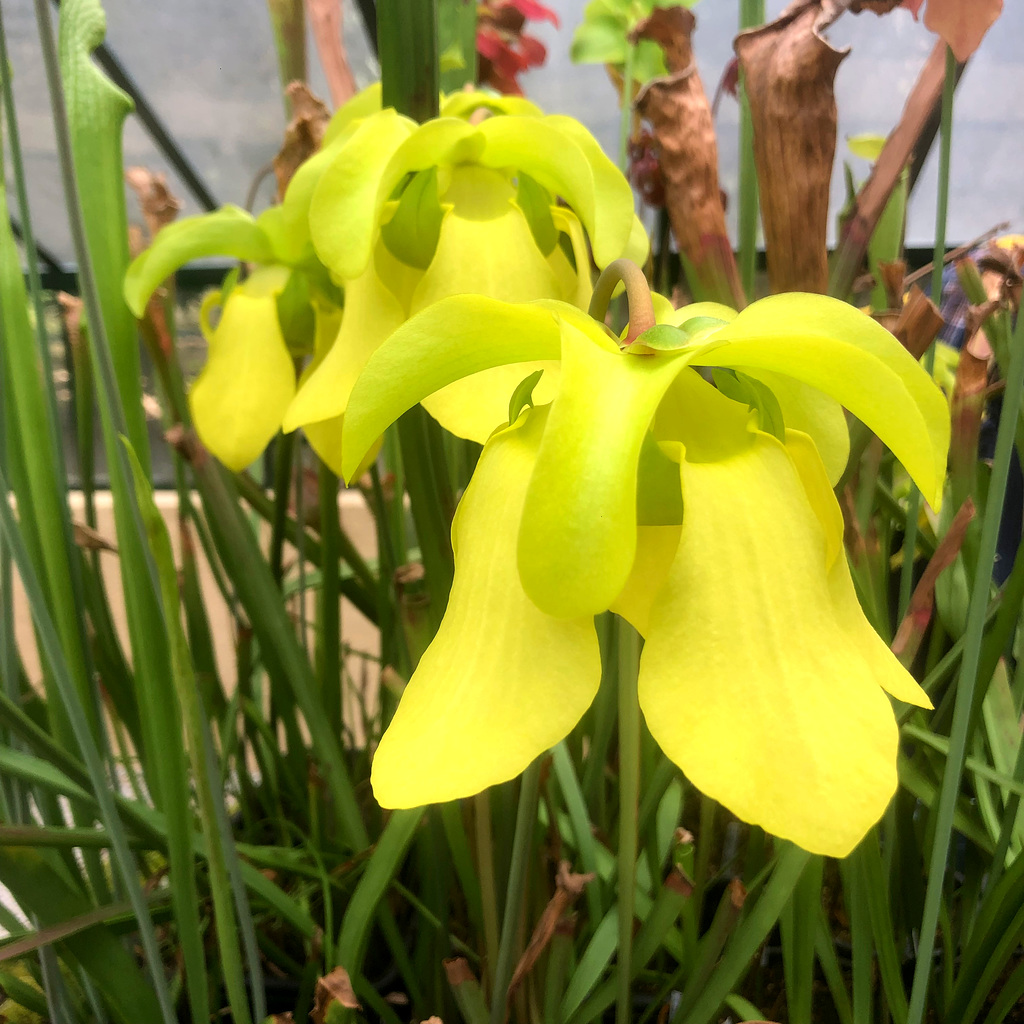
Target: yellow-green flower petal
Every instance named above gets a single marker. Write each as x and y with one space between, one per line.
889 673
371 313
567 221
346 203
501 681
238 400
578 539
229 231
747 680
486 247
445 342
835 348
363 104
553 151
463 104
811 411
655 550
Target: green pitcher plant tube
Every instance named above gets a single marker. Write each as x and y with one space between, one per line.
705 516
492 198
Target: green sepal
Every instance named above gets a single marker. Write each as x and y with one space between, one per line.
660 338
229 231
659 496
756 395
535 202
523 395
702 323
295 314
413 232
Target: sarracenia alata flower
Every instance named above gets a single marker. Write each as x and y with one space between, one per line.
703 515
454 207
397 215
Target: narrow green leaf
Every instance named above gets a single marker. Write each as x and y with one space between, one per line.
42 891
751 932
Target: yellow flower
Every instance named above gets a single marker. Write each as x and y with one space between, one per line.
707 521
398 215
413 214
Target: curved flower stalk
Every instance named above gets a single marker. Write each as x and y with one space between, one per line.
702 515
453 207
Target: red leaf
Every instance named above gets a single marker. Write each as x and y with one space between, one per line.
533 11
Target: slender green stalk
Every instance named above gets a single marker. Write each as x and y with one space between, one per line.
409 64
329 642
626 115
485 869
751 15
968 680
52 652
629 795
939 252
522 847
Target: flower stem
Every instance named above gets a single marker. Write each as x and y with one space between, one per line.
638 295
526 819
626 121
968 680
751 15
941 211
629 793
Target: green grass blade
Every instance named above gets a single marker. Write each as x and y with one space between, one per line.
43 891
53 654
384 863
968 674
752 931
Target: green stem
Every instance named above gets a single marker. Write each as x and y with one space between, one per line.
967 683
522 844
409 65
629 792
638 295
329 662
751 15
941 217
626 118
485 869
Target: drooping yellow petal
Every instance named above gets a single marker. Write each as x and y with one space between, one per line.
446 341
501 682
579 288
748 681
229 231
840 351
553 151
371 313
344 210
655 550
889 673
578 539
814 413
238 400
486 247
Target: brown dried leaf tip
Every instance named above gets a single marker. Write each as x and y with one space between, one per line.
569 887
680 115
159 205
335 987
789 72
303 135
